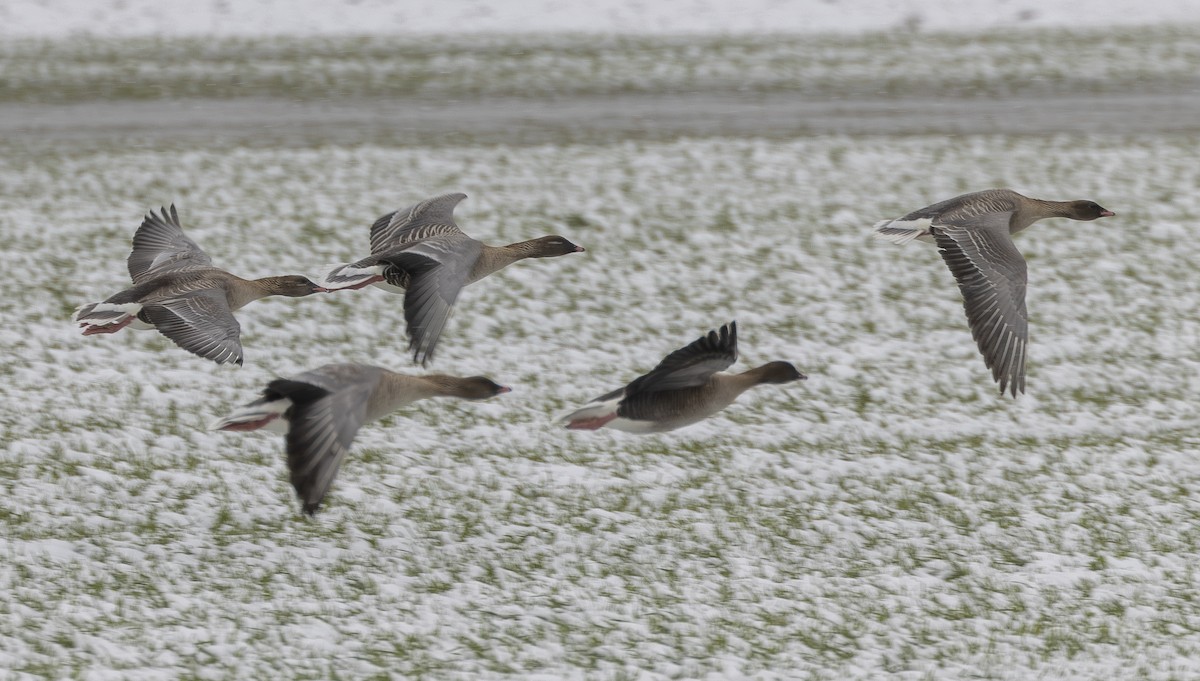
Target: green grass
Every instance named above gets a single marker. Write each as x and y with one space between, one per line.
1028 63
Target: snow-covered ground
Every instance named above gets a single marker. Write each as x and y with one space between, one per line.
891 515
59 18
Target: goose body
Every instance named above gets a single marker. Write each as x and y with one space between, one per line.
686 387
320 411
973 233
177 291
420 252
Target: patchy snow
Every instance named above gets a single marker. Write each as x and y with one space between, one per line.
60 18
891 515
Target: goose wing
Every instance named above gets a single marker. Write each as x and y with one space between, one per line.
991 275
691 365
200 322
159 245
328 409
436 269
430 218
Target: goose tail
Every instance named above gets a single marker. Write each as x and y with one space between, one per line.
903 231
262 413
105 317
352 276
594 416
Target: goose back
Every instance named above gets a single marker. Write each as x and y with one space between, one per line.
1022 210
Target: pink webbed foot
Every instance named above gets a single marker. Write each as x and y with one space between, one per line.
359 285
594 423
93 329
245 426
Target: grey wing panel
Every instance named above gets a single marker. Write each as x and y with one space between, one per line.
335 377
691 365
159 245
966 207
437 270
991 276
431 218
319 438
199 322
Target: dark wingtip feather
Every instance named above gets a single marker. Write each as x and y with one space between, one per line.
1013 386
725 338
420 356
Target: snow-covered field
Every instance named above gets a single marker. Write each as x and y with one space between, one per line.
891 517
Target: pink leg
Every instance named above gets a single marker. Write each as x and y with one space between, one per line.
364 284
93 329
595 423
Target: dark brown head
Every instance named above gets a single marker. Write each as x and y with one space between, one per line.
1087 210
551 247
479 388
779 372
292 286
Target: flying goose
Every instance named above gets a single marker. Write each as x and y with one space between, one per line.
320 411
683 389
421 252
973 233
177 291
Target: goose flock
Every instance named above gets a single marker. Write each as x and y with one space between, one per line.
421 253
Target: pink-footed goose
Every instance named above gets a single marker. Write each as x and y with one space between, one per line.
421 253
320 411
177 291
683 389
973 233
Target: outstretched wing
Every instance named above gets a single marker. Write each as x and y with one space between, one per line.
199 322
991 275
431 218
437 269
159 245
691 365
322 425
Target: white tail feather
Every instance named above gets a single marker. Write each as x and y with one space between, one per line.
103 314
902 231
